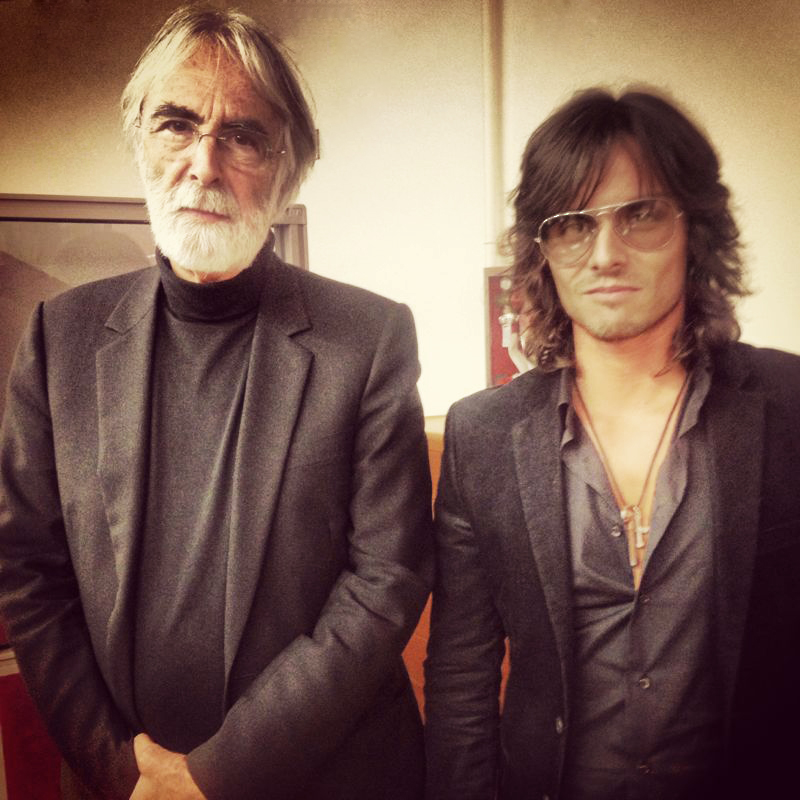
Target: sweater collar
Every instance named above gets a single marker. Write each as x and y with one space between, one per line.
218 301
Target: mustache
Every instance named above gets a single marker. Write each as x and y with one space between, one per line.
213 200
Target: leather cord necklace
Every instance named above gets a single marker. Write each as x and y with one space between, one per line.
631 514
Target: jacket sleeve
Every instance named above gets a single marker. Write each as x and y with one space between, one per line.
297 712
39 596
465 652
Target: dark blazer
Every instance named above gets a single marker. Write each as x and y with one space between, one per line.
503 570
329 563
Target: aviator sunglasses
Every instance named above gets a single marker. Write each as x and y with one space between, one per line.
645 224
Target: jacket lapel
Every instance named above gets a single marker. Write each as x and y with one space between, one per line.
123 404
735 415
276 380
536 443
736 418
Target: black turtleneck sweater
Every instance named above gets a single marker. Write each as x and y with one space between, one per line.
200 364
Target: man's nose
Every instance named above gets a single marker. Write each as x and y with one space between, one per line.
205 161
608 250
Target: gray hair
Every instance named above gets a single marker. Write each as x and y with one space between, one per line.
263 58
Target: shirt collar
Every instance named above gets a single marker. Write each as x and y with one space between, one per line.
699 385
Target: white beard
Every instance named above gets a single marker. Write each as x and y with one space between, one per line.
208 248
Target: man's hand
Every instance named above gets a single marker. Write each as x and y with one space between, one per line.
164 774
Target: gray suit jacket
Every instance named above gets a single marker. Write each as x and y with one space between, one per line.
330 553
503 569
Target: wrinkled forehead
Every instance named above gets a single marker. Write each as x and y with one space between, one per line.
208 82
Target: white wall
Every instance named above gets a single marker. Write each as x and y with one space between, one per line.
396 204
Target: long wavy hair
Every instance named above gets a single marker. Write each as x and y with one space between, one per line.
564 162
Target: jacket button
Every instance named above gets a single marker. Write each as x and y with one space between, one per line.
644 682
559 726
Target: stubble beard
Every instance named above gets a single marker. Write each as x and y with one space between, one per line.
209 248
623 330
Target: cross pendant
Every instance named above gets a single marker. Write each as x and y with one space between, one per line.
640 530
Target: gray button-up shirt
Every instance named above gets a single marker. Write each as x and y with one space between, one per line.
645 713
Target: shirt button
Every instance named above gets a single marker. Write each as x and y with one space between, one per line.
645 598
559 726
616 531
644 682
644 768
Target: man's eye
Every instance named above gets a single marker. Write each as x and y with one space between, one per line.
244 140
573 227
642 213
179 127
577 225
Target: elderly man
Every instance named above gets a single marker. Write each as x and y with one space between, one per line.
215 519
626 514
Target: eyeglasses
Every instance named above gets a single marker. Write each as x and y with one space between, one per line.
644 224
239 145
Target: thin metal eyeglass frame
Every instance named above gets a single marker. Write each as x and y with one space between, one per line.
197 136
602 211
